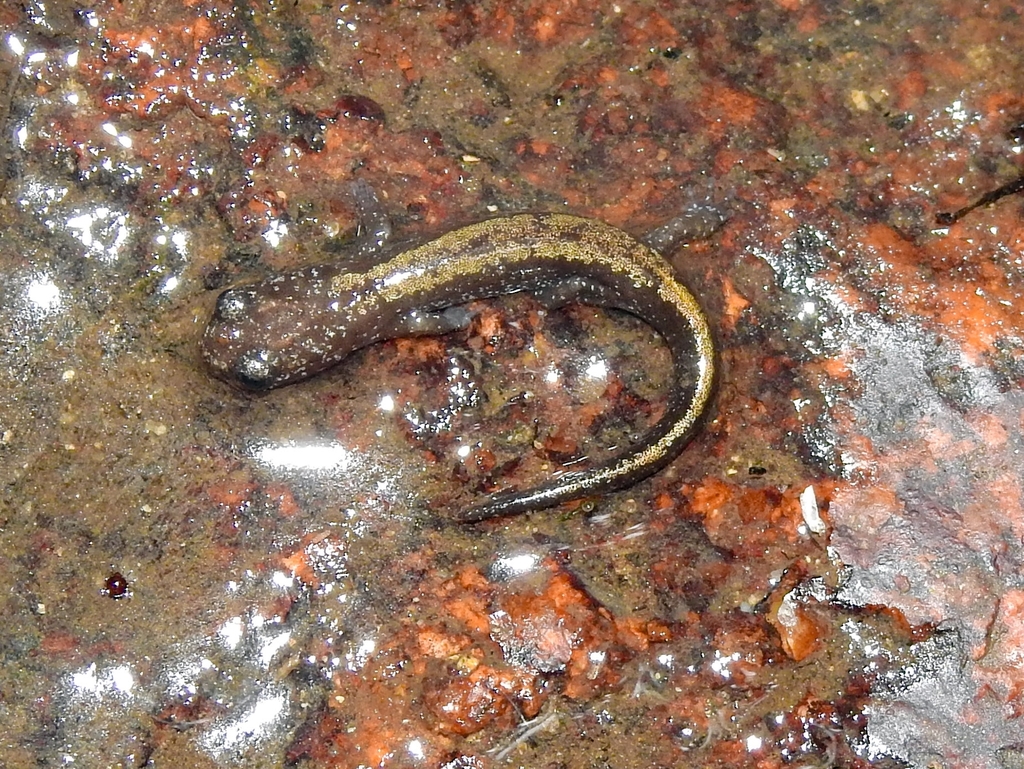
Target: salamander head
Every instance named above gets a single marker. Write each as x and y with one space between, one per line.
282 330
235 346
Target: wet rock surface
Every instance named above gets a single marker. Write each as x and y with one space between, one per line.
829 575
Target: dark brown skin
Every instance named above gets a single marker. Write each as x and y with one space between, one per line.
292 326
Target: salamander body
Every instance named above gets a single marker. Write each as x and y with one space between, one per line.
291 326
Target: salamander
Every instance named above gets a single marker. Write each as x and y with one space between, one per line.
294 325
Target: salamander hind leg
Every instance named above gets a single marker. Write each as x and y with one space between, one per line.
578 289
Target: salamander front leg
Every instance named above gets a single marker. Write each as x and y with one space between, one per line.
432 323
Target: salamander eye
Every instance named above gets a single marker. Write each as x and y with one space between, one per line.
233 305
253 370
